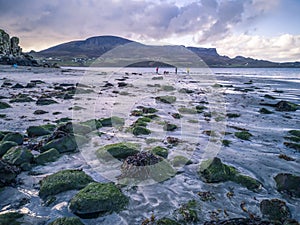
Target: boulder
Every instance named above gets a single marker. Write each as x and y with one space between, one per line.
21 98
166 99
180 160
285 106
40 112
66 221
15 137
139 130
8 173
47 156
63 181
17 156
113 121
11 218
97 198
4 105
36 131
166 221
119 151
275 210
288 183
160 151
5 146
45 101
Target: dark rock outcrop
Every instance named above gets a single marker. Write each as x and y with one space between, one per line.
8 173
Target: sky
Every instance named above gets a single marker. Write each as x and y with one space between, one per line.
261 29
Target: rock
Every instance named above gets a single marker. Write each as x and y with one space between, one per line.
21 98
166 99
93 124
8 173
4 105
4 43
81 129
169 127
166 221
265 111
180 160
113 121
295 133
39 112
5 146
97 198
275 210
119 151
47 156
10 218
288 183
36 131
66 221
45 101
15 137
17 85
295 146
63 181
139 130
241 221
285 106
187 213
244 135
17 156
160 151
214 171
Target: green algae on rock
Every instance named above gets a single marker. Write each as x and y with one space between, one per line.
118 150
275 210
180 160
140 130
166 221
160 151
187 213
265 111
166 99
36 131
8 173
113 121
5 146
47 156
15 137
96 199
63 181
18 155
244 135
4 105
169 127
66 221
11 218
214 171
285 106
288 183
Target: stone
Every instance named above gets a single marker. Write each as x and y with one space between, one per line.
187 213
94 124
160 151
244 135
119 151
265 111
40 112
285 106
66 221
4 43
169 127
8 173
180 160
15 137
81 129
17 85
21 98
113 121
288 183
4 105
242 221
45 101
295 133
63 181
5 146
166 99
166 221
139 130
11 218
17 156
47 156
275 210
37 131
98 198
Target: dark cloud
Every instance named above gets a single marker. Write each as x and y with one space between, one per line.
61 20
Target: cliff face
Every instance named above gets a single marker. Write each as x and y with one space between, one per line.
11 52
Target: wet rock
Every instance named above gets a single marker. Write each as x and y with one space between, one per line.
286 106
21 98
187 213
5 146
4 105
166 99
63 181
97 198
15 137
8 173
295 133
295 146
244 135
160 151
94 124
139 130
180 160
81 129
214 171
265 111
113 121
30 85
169 127
288 183
17 85
11 218
185 110
45 101
66 221
17 156
37 131
166 221
275 209
40 112
119 151
47 156
241 221
172 140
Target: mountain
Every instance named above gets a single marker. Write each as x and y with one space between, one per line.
83 52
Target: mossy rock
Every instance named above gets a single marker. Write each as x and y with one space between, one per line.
275 210
293 138
244 135
166 99
295 133
68 143
63 181
4 105
295 146
113 121
149 110
15 137
265 111
66 221
11 218
144 120
214 171
46 101
40 112
233 115
166 221
94 124
170 127
226 143
200 108
269 96
17 156
176 116
47 156
5 146
81 129
98 198
139 130
21 98
160 151
285 106
288 183
119 151
180 160
167 88
37 131
188 212
184 110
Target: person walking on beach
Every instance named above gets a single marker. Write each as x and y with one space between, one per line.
157 70
175 70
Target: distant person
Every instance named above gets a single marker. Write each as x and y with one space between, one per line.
188 70
175 70
157 70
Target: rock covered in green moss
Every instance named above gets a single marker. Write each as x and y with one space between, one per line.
36 131
160 151
166 99
8 173
169 127
5 146
180 160
63 181
45 101
4 105
275 210
18 155
94 124
265 111
98 198
139 130
11 218
21 98
47 156
288 183
244 135
66 221
113 121
166 221
214 171
285 106
15 137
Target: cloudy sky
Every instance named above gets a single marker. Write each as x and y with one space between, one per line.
262 29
